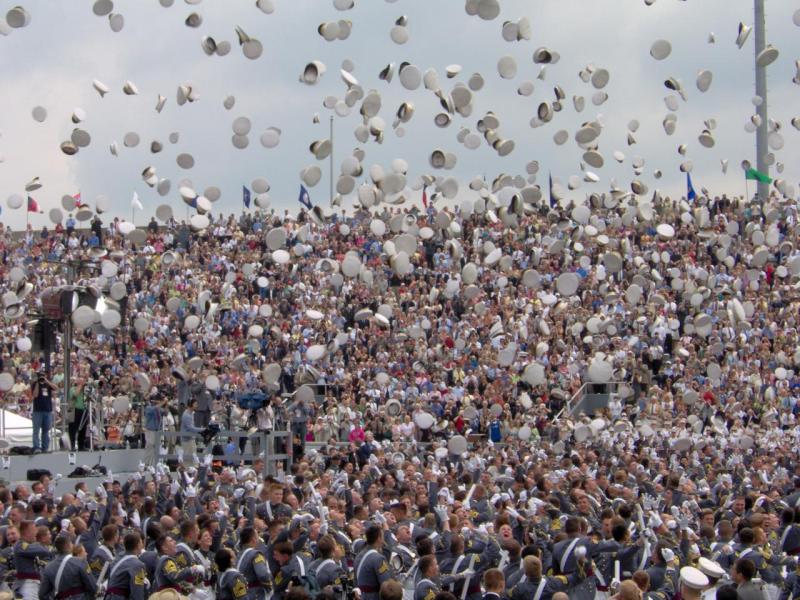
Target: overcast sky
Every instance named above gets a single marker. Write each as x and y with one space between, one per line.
52 62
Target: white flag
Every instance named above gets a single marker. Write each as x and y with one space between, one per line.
135 203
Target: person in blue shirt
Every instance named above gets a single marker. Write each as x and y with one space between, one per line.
494 431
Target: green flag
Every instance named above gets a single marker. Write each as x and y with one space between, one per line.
757 176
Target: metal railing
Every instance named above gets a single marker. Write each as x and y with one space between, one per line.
267 447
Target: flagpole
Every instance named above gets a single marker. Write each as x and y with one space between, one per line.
331 164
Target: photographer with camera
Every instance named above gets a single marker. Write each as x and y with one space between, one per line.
42 396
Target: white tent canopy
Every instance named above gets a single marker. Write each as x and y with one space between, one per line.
16 429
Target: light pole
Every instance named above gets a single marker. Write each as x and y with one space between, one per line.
66 318
762 150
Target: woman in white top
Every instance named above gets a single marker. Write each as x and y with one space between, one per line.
407 428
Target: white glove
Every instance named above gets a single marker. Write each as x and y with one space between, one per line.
207 460
146 583
58 477
179 454
441 512
580 552
238 493
102 588
654 521
162 450
142 467
91 505
136 519
191 491
668 555
249 486
198 570
174 487
110 478
65 523
100 492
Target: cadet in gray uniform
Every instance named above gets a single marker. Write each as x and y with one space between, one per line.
431 582
253 565
403 557
371 567
291 569
127 577
168 574
67 577
105 551
534 586
7 556
327 567
426 588
184 553
231 584
28 555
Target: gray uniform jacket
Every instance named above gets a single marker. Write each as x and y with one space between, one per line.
253 566
371 569
231 586
127 579
75 582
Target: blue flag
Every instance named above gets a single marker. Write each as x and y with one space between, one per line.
304 198
246 196
690 193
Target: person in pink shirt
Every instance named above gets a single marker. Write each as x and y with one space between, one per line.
356 434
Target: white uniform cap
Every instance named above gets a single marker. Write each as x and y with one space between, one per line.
711 568
693 578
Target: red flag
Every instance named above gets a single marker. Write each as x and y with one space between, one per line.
425 196
32 205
